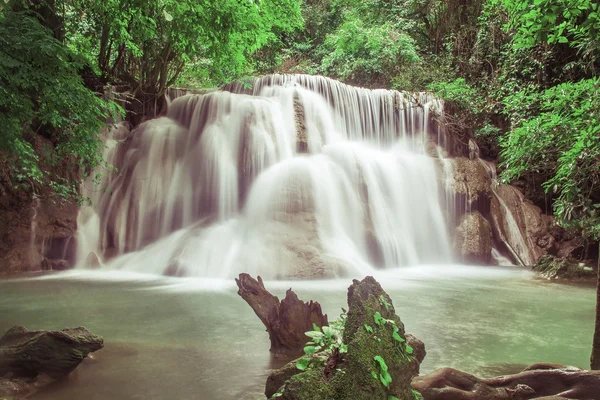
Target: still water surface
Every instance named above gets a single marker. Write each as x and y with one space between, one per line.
175 338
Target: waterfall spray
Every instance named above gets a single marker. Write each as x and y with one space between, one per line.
298 176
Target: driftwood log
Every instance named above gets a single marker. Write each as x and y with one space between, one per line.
536 381
286 321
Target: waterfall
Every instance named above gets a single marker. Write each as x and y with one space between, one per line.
288 176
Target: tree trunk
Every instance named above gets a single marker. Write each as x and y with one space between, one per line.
286 321
595 360
548 381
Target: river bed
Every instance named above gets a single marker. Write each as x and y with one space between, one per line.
179 338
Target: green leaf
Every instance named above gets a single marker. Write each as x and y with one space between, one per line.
314 334
397 337
303 363
379 320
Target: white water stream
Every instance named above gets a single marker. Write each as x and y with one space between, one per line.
299 176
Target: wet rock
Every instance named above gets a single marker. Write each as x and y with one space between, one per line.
434 150
32 359
535 382
300 120
286 321
469 182
92 261
529 233
473 150
278 378
419 352
19 388
55 265
519 223
18 259
26 353
473 239
558 268
35 226
297 247
372 332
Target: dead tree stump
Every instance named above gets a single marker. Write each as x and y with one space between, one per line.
286 321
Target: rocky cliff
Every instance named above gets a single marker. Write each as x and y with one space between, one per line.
37 227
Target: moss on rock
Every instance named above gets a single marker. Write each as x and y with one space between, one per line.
372 330
551 267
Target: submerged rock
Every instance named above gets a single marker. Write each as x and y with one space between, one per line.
535 382
556 268
379 362
473 239
32 359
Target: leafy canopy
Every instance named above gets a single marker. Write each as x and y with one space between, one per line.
41 92
151 43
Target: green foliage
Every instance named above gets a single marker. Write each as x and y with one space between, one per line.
417 395
41 92
358 50
153 43
563 141
142 46
381 322
396 335
554 22
384 302
384 375
325 341
460 93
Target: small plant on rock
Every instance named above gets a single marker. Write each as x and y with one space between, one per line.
326 341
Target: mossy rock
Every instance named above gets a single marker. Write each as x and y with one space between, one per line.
369 333
551 267
308 385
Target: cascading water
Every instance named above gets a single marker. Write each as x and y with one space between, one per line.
300 176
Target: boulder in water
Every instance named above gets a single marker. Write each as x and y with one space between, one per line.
55 265
31 359
534 382
474 239
379 362
92 261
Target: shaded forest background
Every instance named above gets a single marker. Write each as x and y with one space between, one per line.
518 76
